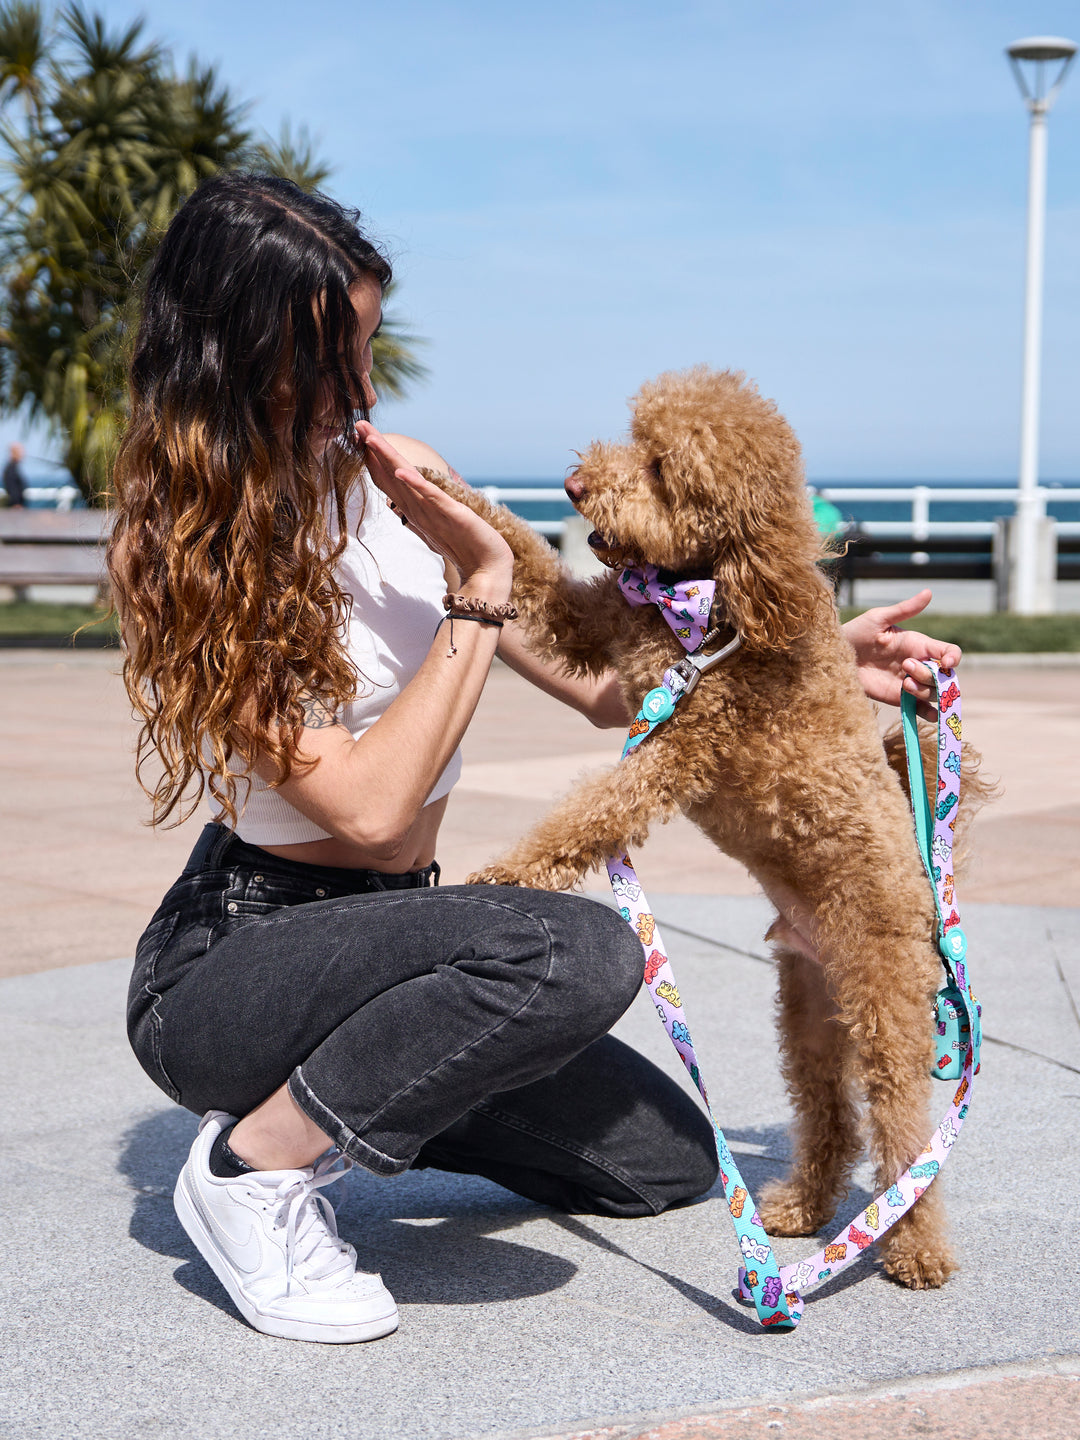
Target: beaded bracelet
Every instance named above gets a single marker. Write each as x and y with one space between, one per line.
470 604
453 615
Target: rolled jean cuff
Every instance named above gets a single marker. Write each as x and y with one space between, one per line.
345 1139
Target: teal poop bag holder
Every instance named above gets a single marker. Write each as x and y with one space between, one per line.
777 1291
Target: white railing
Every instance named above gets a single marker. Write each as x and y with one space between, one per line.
919 497
60 497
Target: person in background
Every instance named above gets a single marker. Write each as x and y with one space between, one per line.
14 484
827 517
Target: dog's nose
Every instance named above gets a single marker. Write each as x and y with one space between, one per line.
574 487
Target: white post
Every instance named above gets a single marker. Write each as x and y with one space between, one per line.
920 521
1031 502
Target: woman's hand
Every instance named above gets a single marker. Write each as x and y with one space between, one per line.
888 658
479 554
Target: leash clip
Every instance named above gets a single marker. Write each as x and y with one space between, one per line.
690 668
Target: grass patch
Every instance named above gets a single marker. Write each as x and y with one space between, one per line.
999 634
1002 634
29 619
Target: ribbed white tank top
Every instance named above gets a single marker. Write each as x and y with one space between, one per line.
397 585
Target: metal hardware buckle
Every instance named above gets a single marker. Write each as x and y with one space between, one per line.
691 668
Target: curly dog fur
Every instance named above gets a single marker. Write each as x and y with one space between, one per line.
776 757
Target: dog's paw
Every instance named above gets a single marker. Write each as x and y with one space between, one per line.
920 1269
495 875
786 1208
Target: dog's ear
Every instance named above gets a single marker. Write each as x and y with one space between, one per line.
769 586
732 464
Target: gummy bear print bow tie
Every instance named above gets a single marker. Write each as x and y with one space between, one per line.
685 605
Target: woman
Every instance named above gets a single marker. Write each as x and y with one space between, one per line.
303 986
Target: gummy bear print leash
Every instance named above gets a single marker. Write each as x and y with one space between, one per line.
777 1292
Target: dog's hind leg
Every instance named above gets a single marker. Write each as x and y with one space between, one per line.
815 1052
895 1062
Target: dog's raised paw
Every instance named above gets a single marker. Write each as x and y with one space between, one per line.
921 1269
494 875
786 1209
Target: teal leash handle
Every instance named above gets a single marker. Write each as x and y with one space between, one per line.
777 1291
958 1015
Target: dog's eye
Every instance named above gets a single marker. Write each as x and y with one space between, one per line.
654 472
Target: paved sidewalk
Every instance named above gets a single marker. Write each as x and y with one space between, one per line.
518 1321
80 872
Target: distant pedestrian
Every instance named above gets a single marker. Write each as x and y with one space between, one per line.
14 484
830 521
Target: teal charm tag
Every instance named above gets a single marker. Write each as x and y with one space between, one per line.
658 705
953 944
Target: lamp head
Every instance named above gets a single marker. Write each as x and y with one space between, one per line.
1040 53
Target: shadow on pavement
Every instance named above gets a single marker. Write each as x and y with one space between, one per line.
443 1258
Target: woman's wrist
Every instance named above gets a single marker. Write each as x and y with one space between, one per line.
487 585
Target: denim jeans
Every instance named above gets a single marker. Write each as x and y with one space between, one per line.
462 1028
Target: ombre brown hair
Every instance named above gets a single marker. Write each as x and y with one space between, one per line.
223 542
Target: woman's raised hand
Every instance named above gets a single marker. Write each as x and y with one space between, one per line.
479 554
888 658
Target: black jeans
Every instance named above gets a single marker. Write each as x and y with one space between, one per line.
462 1028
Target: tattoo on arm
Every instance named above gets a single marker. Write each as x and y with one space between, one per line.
317 714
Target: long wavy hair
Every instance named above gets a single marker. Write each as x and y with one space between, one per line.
223 543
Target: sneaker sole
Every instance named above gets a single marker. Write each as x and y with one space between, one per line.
373 1329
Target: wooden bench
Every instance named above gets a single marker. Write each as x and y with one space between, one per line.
53 547
941 557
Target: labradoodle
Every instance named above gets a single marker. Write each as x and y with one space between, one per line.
775 756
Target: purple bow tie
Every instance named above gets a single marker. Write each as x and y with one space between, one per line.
685 605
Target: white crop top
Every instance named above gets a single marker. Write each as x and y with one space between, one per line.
397 585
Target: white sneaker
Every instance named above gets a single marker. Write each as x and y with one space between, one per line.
272 1241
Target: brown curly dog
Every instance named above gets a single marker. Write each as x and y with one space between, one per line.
775 755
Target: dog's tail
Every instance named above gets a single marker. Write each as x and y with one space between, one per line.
976 789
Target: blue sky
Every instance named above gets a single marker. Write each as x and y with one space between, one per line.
579 195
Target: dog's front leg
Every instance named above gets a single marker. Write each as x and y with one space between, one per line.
604 815
562 618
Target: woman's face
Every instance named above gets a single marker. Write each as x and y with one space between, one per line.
366 297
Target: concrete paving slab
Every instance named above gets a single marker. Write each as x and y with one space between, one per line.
80 872
516 1319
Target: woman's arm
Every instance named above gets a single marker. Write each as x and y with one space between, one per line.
599 699
369 792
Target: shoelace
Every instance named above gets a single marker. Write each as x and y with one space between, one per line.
310 1223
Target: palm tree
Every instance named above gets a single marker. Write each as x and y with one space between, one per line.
23 48
112 142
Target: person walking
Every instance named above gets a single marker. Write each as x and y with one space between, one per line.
14 484
286 581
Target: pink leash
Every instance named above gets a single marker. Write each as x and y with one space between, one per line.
777 1291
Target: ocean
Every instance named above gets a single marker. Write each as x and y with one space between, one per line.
862 511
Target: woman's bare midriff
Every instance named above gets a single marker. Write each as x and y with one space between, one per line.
418 850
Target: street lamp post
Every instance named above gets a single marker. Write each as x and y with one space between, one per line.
1039 92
